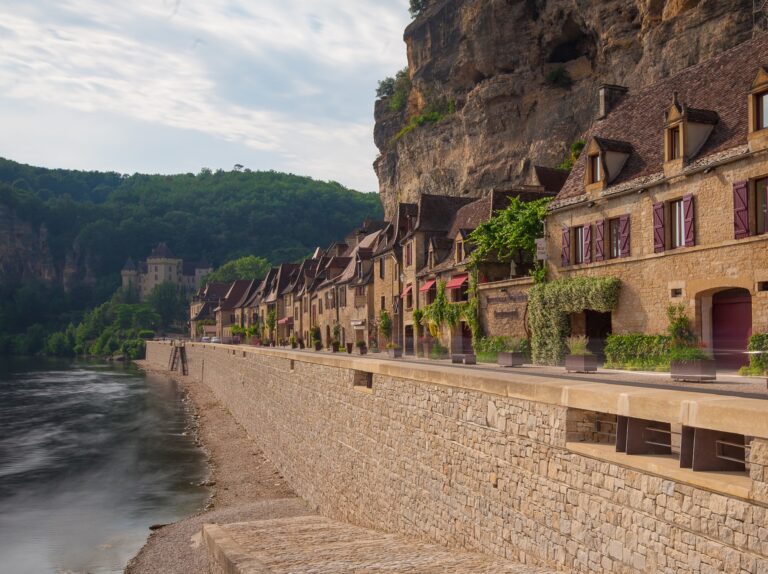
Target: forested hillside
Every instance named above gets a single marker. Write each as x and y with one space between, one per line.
64 234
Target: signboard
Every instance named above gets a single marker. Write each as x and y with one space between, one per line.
541 249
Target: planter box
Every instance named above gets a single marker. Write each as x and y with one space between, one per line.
696 370
395 353
318 346
507 359
362 350
581 363
350 346
335 347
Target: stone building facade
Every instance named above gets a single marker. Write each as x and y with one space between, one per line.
162 266
499 463
669 196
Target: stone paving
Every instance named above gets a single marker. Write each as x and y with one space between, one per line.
323 546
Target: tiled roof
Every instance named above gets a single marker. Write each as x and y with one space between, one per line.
162 251
436 212
550 178
216 291
129 265
235 293
398 228
714 89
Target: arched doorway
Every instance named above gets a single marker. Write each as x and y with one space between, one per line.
731 327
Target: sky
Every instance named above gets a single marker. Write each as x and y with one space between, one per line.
172 86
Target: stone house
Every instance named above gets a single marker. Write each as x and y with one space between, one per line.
225 311
387 265
162 266
203 304
669 196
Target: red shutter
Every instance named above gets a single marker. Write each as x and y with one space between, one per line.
740 210
624 236
690 227
566 252
658 227
587 244
600 240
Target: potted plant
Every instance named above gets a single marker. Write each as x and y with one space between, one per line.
350 346
317 342
294 342
362 348
580 359
513 355
335 345
688 362
301 343
394 351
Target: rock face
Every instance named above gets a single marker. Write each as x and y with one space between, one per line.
24 250
493 59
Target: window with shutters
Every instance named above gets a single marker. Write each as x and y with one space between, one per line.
578 245
677 224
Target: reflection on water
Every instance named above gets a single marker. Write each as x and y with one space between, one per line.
89 458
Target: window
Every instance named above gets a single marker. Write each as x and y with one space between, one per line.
614 238
761 110
382 267
674 143
409 254
677 227
760 202
578 245
383 303
431 259
595 169
360 291
676 293
360 269
459 251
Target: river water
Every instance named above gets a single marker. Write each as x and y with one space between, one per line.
90 457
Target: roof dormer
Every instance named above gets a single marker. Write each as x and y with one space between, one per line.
605 160
757 102
686 130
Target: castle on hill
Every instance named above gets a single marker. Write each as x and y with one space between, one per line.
162 266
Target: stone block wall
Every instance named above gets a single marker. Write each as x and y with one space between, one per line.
475 470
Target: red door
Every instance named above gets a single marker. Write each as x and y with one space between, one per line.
731 327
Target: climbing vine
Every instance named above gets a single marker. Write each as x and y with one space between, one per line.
441 311
551 303
470 311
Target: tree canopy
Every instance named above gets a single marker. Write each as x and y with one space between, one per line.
248 267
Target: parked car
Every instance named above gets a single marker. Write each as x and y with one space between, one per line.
215 339
205 340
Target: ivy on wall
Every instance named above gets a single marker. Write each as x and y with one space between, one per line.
550 304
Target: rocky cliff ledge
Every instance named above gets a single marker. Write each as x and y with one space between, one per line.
506 64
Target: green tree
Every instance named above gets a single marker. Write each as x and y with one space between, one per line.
248 267
168 302
510 235
575 151
418 7
271 323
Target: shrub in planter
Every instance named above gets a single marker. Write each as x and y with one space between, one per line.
394 351
350 346
317 344
335 346
638 351
437 351
294 342
758 362
691 364
361 347
579 359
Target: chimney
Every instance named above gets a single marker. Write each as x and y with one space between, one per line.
609 95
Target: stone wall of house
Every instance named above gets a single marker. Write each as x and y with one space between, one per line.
470 468
503 307
716 262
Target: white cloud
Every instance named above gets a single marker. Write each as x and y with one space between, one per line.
162 62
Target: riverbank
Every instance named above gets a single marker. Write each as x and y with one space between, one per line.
244 484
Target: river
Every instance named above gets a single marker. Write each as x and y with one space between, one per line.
90 456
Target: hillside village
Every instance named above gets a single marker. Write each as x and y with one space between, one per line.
665 207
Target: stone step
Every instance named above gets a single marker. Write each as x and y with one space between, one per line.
315 544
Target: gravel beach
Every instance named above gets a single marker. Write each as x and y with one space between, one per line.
245 485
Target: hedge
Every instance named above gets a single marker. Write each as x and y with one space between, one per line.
550 304
758 363
637 352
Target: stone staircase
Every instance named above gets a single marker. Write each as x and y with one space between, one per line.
323 546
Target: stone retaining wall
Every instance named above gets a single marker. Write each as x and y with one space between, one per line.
475 470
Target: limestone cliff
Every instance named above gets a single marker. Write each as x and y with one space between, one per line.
493 59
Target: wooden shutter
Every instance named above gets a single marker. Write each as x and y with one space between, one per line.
566 252
740 210
658 228
600 240
690 226
587 244
624 238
